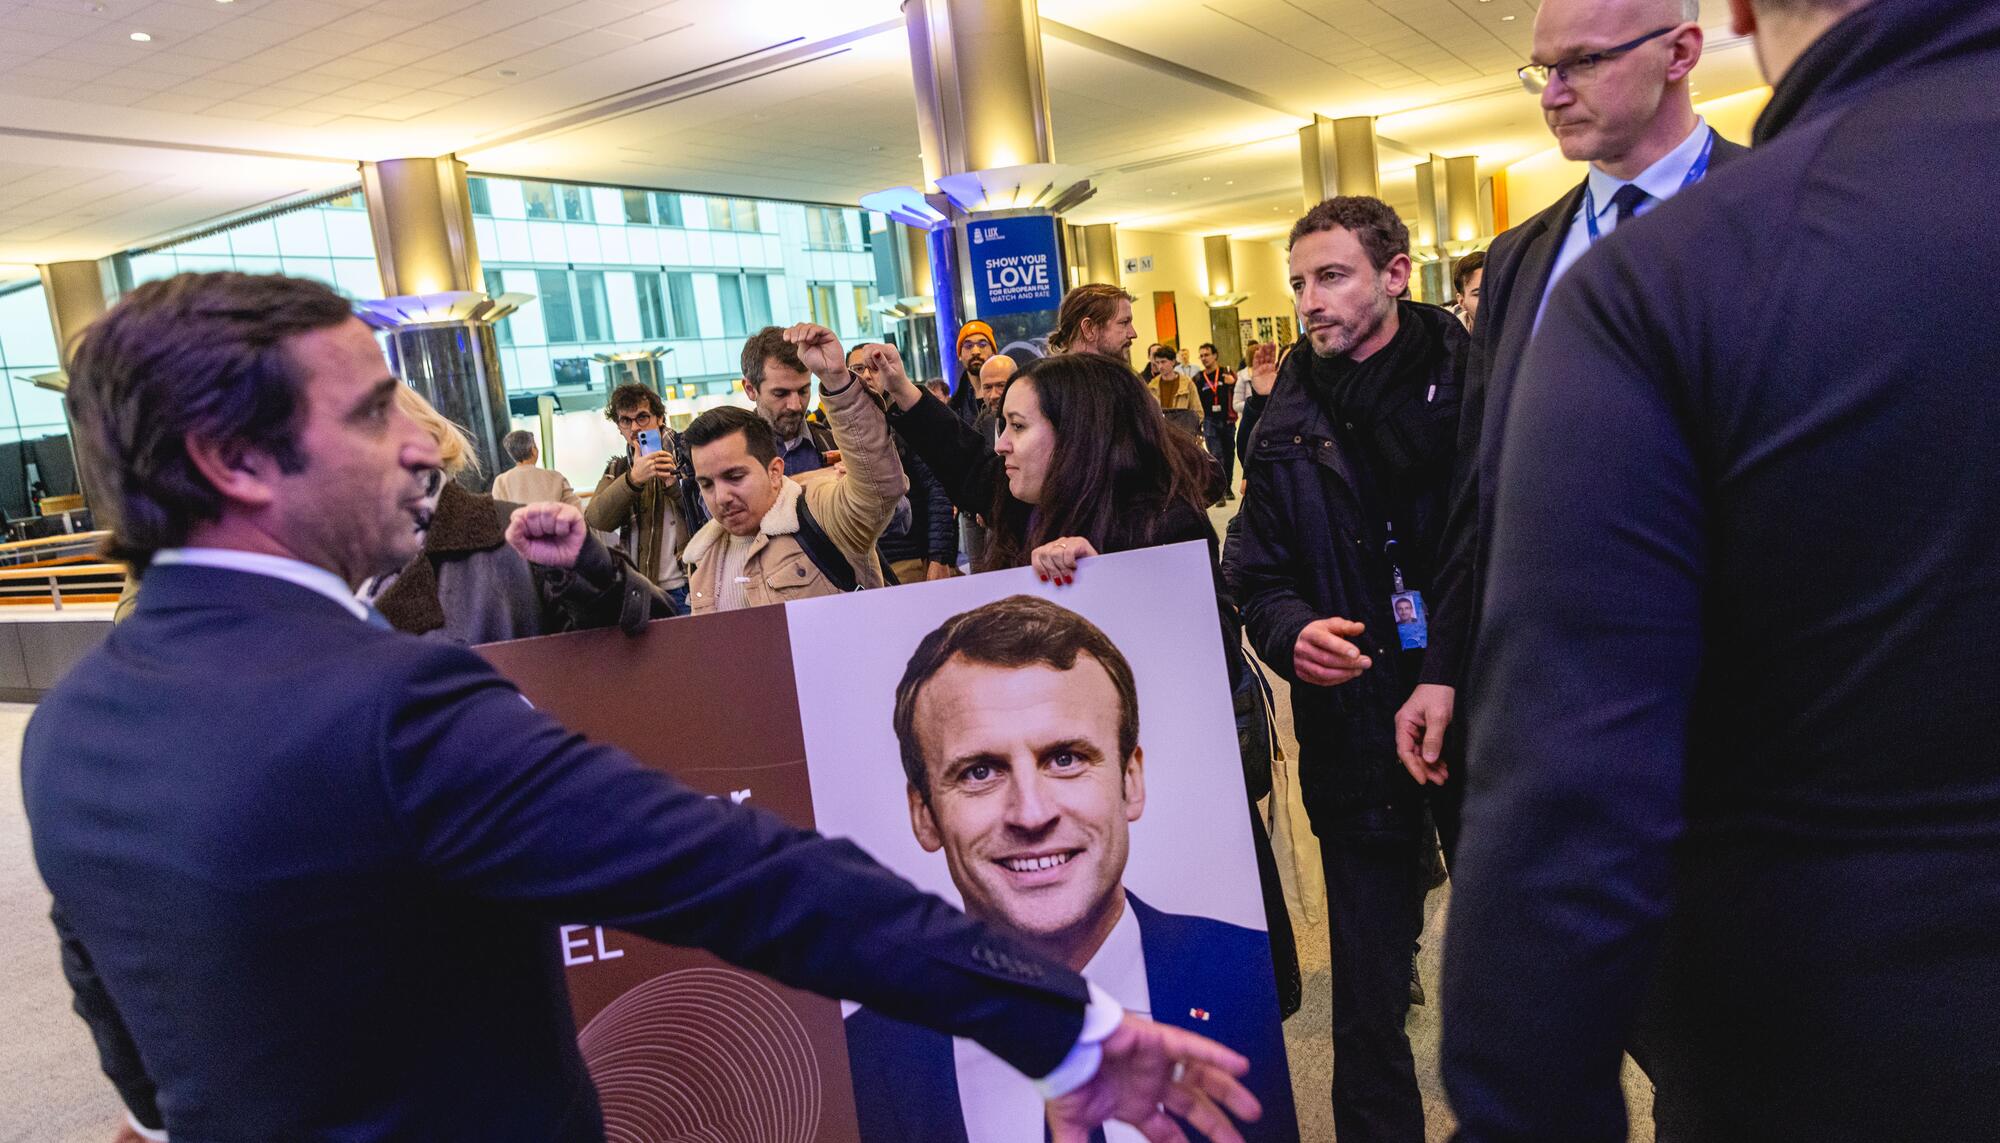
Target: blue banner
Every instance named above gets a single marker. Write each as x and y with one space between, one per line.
1015 265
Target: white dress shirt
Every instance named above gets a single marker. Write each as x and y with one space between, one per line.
999 1104
1663 180
277 567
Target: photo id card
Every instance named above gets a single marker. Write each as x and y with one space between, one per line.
1411 623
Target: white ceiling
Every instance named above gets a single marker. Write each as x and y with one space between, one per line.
1185 111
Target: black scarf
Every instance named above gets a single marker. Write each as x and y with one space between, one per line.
1364 397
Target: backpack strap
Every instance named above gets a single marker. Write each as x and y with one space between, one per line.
823 552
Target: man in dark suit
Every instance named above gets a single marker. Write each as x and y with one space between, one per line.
1018 724
1738 791
1613 76
318 865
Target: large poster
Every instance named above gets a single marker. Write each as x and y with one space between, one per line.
1015 264
1060 761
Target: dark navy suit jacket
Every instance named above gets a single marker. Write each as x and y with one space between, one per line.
318 866
906 1080
1736 802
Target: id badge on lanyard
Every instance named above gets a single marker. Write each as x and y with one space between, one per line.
1412 621
1694 175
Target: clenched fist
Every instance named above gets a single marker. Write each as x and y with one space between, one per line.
549 534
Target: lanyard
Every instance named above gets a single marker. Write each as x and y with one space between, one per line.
1694 176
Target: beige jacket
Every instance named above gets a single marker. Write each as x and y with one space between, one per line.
1176 392
852 510
533 484
639 516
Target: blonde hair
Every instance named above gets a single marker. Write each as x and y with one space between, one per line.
454 444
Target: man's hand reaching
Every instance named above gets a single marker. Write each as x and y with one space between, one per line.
1264 370
892 377
1324 657
1150 1070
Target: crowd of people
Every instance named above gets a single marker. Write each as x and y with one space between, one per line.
1658 610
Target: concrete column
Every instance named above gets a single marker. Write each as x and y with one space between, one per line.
982 101
422 219
1100 253
1448 220
1224 295
1338 157
982 106
77 294
1461 199
1221 265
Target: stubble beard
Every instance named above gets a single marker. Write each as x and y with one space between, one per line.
1347 337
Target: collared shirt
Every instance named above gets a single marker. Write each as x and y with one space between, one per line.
1663 180
277 567
800 454
999 1104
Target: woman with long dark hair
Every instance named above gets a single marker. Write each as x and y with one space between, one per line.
1085 464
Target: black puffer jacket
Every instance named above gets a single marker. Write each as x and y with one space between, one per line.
1308 543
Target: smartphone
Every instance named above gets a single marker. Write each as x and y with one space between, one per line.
649 441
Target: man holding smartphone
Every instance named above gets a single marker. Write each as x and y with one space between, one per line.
640 497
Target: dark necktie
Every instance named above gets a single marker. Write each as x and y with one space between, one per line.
1627 200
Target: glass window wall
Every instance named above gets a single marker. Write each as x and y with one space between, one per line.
612 270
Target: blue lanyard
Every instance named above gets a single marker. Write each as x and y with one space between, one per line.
1694 175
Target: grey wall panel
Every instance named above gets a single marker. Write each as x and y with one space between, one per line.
51 649
13 669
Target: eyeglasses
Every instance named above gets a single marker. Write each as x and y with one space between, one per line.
1535 77
636 420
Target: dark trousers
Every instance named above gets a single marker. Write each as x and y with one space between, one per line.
1374 861
1216 433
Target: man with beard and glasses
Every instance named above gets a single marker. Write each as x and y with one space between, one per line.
643 496
1349 476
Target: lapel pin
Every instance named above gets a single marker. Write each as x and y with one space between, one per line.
1198 1013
